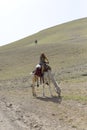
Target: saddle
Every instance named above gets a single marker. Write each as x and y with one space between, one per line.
39 72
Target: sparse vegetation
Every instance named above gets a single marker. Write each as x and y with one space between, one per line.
79 98
66 47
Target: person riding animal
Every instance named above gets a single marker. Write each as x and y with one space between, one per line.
41 67
43 72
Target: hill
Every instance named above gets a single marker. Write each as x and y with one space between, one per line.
65 45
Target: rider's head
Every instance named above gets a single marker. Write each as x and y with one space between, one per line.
42 55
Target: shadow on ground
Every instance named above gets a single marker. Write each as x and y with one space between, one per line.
54 99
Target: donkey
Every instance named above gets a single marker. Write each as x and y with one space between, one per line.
45 79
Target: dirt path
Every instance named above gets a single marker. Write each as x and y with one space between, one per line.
19 110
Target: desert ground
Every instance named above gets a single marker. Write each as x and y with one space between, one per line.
19 110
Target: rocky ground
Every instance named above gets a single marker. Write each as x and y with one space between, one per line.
19 110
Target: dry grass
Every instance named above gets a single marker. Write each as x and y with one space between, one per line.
65 46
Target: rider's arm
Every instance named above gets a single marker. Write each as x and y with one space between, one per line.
47 59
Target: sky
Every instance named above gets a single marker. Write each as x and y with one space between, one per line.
22 18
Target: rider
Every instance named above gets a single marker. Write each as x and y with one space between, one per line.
40 67
43 61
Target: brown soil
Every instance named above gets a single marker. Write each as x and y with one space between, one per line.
19 110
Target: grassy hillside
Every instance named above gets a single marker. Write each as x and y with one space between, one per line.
65 45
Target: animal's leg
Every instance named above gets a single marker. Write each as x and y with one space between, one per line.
33 91
50 90
48 83
37 82
43 90
33 86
